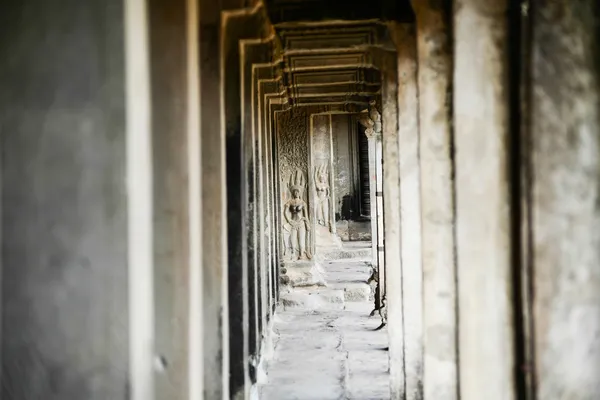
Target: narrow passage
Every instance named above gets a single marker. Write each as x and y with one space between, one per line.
327 347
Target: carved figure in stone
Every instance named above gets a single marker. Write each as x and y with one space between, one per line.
323 197
371 119
297 224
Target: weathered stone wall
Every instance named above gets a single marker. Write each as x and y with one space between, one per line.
293 149
343 165
320 140
345 173
564 199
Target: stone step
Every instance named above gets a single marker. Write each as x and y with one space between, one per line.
313 299
345 254
333 297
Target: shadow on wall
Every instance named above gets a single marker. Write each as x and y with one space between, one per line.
348 228
347 209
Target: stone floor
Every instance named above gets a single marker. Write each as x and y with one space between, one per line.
329 349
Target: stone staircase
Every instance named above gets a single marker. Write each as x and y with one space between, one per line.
341 281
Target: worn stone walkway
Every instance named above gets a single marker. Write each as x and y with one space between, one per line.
332 352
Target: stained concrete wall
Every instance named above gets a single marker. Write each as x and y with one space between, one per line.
64 262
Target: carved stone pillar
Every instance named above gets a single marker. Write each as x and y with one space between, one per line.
371 120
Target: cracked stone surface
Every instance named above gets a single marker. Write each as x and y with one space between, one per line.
329 353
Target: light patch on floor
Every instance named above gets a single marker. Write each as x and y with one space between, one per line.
329 353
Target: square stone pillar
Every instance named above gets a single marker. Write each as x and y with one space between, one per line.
407 305
379 214
239 25
438 244
371 120
372 143
76 201
483 200
563 198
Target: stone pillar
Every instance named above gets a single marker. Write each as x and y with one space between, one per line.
215 263
238 25
483 201
373 195
176 198
275 103
266 87
76 156
410 298
437 201
379 213
390 272
372 140
565 179
255 51
371 120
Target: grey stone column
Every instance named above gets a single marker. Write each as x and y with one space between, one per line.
379 214
238 25
256 51
371 120
390 273
266 89
67 201
214 210
217 310
372 143
173 98
406 304
565 187
483 201
440 373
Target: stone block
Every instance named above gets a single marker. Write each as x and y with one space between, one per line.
313 299
303 273
357 292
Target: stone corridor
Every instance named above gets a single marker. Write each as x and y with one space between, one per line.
194 194
329 348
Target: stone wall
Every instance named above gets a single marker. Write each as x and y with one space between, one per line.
343 165
345 171
293 148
